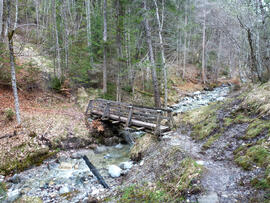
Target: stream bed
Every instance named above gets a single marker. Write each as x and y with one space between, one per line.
201 98
67 178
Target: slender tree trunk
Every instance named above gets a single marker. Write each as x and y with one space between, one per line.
66 35
105 47
120 13
58 56
88 29
218 66
37 18
1 16
160 25
16 14
12 65
253 56
152 60
203 47
185 43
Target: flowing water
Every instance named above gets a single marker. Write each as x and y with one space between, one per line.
67 178
201 98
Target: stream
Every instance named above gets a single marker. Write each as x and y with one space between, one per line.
68 179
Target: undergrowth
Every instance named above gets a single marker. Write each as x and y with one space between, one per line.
173 186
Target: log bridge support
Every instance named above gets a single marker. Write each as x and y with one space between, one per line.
156 120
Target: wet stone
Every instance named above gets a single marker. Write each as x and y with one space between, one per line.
15 179
114 171
211 197
126 165
100 149
63 190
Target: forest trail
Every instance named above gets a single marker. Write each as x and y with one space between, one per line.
221 178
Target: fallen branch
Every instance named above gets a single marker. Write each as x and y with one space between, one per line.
9 135
95 172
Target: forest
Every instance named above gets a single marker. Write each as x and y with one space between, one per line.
203 64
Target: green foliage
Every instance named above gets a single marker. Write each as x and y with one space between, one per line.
111 92
9 114
256 155
143 194
262 183
3 191
127 88
5 76
211 140
55 84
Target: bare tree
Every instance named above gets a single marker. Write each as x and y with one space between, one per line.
105 47
160 25
57 48
1 16
88 28
151 54
203 45
11 32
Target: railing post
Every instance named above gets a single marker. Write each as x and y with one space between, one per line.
157 130
106 112
129 115
171 120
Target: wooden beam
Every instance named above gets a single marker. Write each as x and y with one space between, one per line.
157 130
129 115
106 112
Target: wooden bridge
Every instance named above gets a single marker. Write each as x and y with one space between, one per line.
157 120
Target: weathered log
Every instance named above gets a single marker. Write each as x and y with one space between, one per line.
157 130
95 172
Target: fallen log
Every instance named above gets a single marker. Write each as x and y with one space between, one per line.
95 172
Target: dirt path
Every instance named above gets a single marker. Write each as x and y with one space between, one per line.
221 178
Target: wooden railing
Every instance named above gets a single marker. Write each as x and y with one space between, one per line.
158 120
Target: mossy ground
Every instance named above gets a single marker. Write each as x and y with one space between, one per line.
3 191
203 120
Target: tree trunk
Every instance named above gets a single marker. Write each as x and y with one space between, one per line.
203 47
58 56
254 66
152 60
105 47
37 18
16 15
88 29
119 32
1 16
160 25
185 43
66 35
12 65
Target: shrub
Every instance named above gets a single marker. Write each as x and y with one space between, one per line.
9 114
55 84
